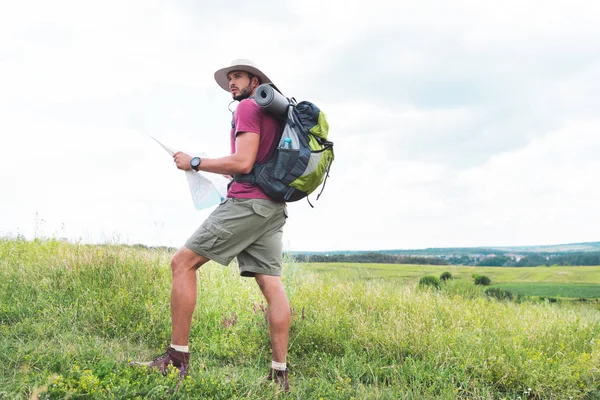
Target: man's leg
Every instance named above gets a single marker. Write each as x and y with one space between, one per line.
183 301
278 313
183 293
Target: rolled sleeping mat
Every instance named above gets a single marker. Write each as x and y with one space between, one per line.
271 100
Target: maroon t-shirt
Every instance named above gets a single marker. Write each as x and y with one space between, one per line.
250 117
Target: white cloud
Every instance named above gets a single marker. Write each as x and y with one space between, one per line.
464 123
543 192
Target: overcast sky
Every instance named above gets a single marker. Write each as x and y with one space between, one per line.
463 123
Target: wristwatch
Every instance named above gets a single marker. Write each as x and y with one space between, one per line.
195 163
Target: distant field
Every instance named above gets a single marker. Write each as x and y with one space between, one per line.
587 275
565 290
566 282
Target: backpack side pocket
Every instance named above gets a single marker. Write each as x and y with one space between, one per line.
284 162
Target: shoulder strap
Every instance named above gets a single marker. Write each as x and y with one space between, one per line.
251 176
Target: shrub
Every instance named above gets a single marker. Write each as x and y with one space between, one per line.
482 280
498 293
430 280
445 276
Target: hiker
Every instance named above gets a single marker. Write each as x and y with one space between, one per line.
247 225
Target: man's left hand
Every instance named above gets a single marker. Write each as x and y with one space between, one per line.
182 161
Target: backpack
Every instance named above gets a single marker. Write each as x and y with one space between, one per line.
302 158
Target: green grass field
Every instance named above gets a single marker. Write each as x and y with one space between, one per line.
410 273
72 316
560 290
555 282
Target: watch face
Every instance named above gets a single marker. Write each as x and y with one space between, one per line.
195 162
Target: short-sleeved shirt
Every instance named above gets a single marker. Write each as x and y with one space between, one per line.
250 117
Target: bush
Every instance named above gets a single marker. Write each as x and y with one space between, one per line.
445 276
498 293
482 280
430 280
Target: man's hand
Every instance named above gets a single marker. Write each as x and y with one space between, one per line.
182 161
241 162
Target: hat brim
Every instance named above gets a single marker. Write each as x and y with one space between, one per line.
221 75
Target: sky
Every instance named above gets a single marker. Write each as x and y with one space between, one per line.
455 124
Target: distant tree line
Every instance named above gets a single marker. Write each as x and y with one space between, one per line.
371 257
583 258
529 260
161 248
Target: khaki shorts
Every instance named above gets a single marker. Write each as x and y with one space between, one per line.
249 229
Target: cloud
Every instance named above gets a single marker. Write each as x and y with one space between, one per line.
544 190
461 123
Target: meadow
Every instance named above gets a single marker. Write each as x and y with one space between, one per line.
410 273
557 282
72 316
578 291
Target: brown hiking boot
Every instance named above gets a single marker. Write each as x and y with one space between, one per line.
281 377
179 359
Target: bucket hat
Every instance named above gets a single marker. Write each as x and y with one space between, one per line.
239 65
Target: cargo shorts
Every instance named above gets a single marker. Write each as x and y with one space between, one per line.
249 229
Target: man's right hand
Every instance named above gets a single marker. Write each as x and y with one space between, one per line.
182 161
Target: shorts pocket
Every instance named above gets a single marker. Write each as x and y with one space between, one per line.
262 210
217 230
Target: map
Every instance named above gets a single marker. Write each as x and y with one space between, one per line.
207 189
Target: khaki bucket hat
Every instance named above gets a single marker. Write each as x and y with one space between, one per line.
239 65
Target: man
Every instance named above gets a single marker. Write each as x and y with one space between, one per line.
247 225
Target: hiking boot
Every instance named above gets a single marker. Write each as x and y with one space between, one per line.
179 359
280 377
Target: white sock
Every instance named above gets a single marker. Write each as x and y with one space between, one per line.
184 349
278 366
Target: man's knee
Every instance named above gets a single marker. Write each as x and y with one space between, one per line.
186 259
177 263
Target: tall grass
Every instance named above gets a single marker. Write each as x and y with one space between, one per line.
72 316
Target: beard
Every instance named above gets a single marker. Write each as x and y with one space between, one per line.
243 93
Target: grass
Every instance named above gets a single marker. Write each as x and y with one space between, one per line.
562 290
72 316
411 273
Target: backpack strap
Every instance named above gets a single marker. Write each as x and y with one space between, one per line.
251 176
243 178
246 178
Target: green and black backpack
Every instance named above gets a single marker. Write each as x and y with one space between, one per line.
302 159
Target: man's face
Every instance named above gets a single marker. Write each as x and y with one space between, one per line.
240 85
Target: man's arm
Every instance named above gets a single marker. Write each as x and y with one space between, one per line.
241 162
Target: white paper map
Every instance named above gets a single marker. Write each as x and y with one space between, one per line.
207 189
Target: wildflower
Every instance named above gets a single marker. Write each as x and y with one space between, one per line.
227 322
